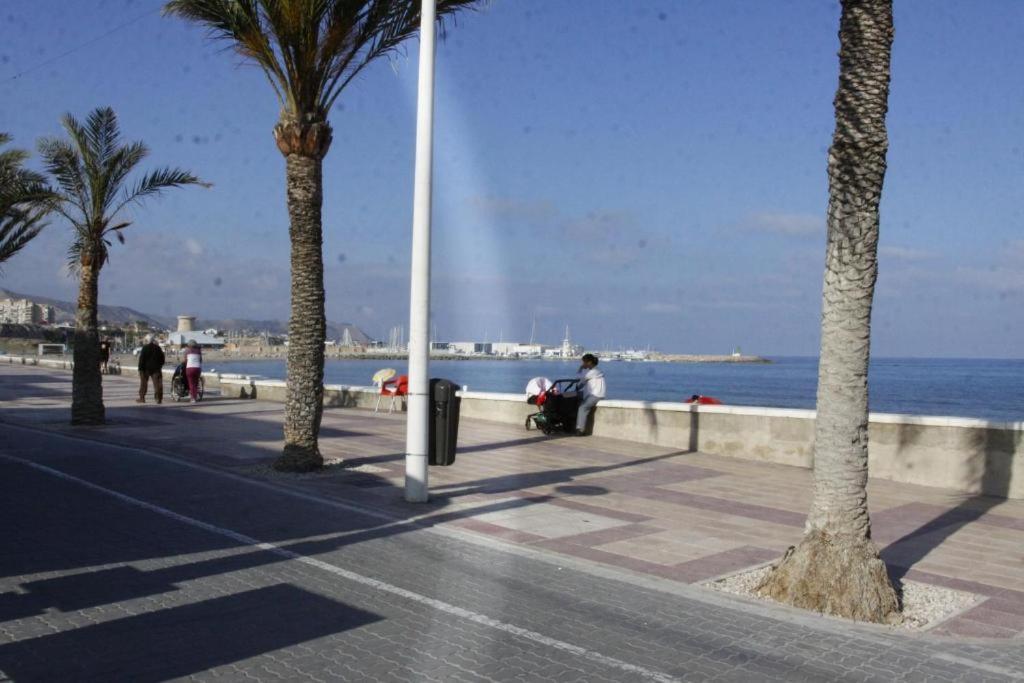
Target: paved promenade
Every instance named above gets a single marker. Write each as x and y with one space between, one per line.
163 546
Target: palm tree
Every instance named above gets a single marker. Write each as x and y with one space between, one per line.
90 170
310 50
24 201
836 568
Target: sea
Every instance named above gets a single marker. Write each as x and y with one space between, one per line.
979 388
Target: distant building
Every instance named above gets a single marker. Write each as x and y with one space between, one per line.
18 311
47 314
205 341
566 350
516 349
25 312
186 332
471 348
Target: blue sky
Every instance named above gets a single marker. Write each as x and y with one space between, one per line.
649 173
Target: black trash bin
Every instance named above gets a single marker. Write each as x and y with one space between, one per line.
444 422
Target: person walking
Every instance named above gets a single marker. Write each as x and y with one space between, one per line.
104 355
151 365
193 368
591 389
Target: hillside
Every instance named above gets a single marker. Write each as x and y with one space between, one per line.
279 327
65 310
120 315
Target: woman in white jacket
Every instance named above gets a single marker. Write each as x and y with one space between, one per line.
193 368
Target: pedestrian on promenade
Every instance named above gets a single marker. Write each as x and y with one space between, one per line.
193 368
151 365
591 389
104 354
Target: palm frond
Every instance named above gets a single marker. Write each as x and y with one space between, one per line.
103 135
389 24
17 229
81 143
20 185
119 166
62 162
11 160
155 182
25 201
239 23
311 49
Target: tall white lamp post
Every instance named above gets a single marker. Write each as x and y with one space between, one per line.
418 425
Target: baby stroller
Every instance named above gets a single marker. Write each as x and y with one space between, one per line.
557 402
179 385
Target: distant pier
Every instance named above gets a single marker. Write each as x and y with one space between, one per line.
704 358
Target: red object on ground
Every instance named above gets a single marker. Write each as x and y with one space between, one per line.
704 400
399 386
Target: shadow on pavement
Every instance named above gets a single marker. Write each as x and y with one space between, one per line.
96 588
182 640
525 480
991 470
901 555
188 417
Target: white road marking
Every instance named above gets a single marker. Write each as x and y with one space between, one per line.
439 605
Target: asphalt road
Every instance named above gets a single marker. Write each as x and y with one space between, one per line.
119 564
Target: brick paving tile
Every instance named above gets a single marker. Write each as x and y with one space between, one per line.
610 535
600 510
960 626
725 562
988 613
497 531
731 507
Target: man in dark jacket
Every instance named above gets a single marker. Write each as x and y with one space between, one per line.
151 364
104 355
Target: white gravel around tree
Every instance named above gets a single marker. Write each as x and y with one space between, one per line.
924 605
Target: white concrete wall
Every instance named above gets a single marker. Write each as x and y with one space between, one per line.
973 456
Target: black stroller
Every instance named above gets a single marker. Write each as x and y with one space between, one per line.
179 385
558 404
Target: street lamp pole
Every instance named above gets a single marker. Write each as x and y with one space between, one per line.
417 424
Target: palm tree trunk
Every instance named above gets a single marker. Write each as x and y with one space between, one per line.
86 382
836 568
307 325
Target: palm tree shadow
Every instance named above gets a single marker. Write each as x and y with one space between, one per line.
901 555
526 480
993 458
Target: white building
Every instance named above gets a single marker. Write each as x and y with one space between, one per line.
47 314
516 349
471 348
25 312
205 341
566 350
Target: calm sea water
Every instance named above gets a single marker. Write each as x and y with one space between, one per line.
990 389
